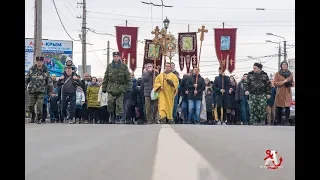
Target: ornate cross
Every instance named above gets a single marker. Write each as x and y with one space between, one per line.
133 60
202 31
156 32
231 62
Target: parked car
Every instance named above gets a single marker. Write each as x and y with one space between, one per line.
293 108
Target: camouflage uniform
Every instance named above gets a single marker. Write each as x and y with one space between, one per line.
40 83
259 86
116 83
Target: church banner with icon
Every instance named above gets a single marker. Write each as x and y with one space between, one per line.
127 40
151 51
225 45
187 50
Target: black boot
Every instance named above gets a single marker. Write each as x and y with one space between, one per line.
33 117
39 118
120 120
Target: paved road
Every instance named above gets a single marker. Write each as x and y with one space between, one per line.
156 152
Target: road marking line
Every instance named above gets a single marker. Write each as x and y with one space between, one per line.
177 160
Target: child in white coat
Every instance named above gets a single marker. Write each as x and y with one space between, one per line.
103 112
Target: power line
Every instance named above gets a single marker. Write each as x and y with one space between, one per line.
72 15
256 25
185 20
62 22
228 8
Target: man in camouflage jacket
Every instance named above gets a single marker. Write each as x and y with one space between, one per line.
116 83
258 87
38 83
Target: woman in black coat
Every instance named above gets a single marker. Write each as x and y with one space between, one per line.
232 104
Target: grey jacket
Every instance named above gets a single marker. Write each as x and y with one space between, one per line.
240 91
147 79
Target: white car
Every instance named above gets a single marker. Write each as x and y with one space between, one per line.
293 106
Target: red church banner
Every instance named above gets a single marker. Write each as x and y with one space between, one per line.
225 45
187 50
127 40
151 51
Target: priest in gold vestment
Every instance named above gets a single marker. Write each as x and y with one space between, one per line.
166 84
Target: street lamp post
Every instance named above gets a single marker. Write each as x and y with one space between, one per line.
166 23
279 51
284 45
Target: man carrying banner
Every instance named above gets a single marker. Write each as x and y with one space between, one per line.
116 82
221 94
166 84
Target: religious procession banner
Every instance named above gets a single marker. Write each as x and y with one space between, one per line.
225 44
151 51
127 40
187 50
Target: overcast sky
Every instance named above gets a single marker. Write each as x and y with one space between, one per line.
102 16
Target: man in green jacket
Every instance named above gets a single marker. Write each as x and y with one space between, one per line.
116 83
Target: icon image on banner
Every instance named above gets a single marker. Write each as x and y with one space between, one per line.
187 43
153 51
225 43
272 160
126 41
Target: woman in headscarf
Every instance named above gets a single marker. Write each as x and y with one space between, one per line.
283 80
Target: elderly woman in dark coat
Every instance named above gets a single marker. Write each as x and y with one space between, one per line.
283 80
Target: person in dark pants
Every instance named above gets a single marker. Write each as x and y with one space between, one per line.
103 111
68 85
54 108
132 102
84 85
221 94
184 102
243 100
44 109
209 105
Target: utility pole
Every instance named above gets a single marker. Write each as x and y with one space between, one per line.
279 56
285 50
108 53
37 40
83 36
126 23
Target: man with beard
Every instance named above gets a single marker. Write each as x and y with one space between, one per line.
116 83
195 92
221 87
258 87
38 83
166 84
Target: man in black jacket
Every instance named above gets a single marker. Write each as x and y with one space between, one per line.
195 91
221 87
184 103
84 84
68 85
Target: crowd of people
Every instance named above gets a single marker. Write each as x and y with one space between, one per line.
120 98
